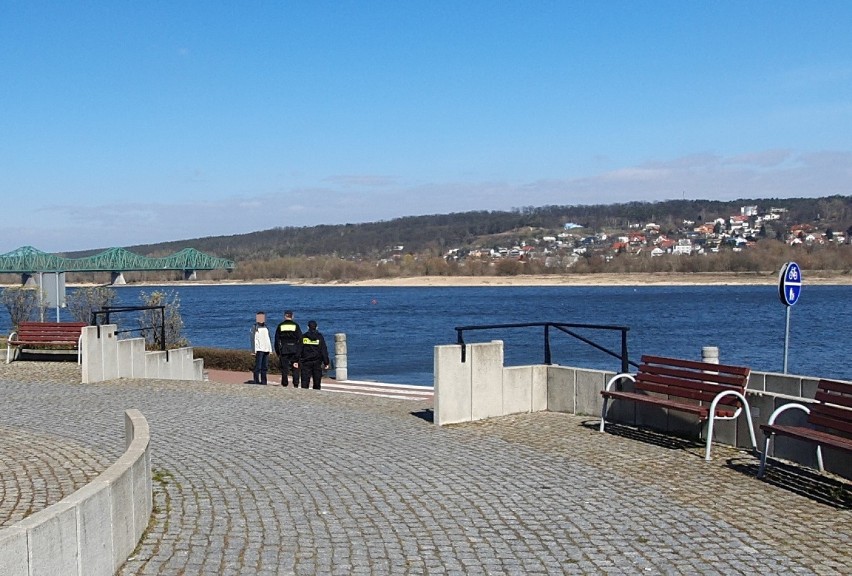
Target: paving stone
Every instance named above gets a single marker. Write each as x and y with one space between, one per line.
267 480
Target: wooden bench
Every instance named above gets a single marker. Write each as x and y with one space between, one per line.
54 335
829 419
709 391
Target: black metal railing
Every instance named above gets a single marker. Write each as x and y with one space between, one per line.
566 328
107 311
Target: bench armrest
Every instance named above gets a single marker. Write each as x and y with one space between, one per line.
781 409
617 377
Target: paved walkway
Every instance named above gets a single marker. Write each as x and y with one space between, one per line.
268 480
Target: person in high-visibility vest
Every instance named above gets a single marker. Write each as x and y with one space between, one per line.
313 356
288 338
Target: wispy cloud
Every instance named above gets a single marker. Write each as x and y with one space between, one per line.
761 174
366 180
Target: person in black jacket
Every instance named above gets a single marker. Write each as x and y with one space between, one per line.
313 356
288 338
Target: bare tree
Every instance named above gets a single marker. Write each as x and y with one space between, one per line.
150 320
21 302
83 301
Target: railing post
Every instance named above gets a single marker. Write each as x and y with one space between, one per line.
547 344
460 342
163 326
625 361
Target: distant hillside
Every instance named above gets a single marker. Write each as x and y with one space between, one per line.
435 233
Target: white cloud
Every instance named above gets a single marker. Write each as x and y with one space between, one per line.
762 174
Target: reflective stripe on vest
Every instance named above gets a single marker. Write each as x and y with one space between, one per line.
287 328
310 342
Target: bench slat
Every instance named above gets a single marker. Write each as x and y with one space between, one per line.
698 409
698 366
818 436
47 333
834 395
701 376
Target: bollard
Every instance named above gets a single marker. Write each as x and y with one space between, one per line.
340 366
710 354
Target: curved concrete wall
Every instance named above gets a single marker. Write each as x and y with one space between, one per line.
94 530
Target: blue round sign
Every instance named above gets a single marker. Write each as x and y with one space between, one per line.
790 283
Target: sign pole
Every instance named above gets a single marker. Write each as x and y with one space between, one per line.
786 339
789 290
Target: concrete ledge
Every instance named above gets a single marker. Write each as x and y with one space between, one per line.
94 530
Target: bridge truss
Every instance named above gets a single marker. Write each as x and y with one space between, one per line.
28 260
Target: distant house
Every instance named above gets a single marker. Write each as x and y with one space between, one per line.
683 247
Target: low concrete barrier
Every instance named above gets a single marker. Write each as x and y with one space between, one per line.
482 388
94 530
105 357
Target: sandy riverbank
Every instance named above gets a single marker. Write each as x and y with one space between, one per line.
715 279
657 279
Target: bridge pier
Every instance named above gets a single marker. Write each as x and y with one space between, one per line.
117 279
190 275
28 279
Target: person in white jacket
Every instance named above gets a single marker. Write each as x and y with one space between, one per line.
261 346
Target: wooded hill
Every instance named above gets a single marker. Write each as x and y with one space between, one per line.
464 243
434 234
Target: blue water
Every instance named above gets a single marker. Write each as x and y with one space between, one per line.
391 332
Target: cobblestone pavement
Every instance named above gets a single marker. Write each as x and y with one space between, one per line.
268 480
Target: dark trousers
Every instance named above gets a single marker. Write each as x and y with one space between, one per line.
287 369
261 367
311 369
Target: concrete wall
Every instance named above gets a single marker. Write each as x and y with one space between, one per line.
482 388
105 357
94 530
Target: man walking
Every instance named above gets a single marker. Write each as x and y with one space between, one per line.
288 336
313 357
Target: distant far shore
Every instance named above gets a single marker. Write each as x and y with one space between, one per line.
603 279
718 279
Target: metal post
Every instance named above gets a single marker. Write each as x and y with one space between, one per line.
41 304
786 338
547 344
625 361
58 296
163 325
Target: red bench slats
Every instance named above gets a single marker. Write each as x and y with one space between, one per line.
831 414
696 365
48 333
698 376
818 436
686 386
686 380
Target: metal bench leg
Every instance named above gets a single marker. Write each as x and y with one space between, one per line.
709 438
603 414
762 469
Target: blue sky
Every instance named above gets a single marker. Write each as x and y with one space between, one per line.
127 123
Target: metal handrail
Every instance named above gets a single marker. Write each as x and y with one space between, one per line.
563 327
107 310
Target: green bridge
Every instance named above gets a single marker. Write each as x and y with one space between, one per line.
29 261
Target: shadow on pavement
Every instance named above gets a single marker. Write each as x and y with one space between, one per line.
799 480
426 414
648 436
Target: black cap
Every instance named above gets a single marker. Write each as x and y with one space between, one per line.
312 324
288 312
